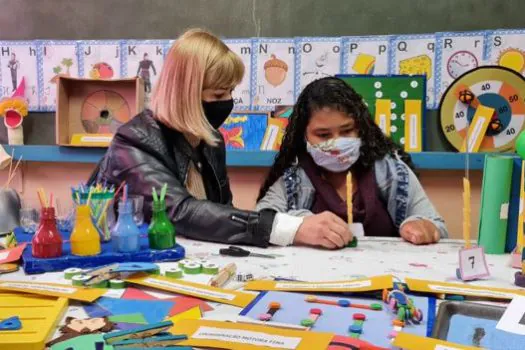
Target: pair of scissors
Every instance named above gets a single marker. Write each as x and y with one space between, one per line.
239 252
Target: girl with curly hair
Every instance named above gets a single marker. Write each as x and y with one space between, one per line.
330 133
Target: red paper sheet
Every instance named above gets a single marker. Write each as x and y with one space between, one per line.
182 303
12 254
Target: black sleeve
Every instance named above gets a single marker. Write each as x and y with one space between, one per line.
198 219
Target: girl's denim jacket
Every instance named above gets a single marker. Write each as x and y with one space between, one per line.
399 188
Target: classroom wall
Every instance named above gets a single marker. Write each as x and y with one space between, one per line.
443 188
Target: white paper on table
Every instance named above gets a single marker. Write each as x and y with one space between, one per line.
513 320
357 229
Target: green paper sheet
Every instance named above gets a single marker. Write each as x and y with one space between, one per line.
495 196
129 318
83 342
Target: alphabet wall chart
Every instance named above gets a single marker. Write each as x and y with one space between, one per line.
276 69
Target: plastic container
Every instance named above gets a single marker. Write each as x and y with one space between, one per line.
85 239
161 232
47 242
125 234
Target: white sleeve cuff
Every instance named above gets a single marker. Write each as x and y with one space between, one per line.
284 228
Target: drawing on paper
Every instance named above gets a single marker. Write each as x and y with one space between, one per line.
244 131
461 62
66 64
364 64
101 70
320 65
143 71
13 66
513 59
275 71
417 65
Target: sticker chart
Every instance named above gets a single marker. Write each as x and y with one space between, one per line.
337 319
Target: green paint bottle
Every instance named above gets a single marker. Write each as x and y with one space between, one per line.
161 232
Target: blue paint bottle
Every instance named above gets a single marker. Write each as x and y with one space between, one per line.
125 234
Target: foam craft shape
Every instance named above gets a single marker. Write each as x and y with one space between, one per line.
12 254
520 145
437 287
182 303
241 336
84 342
357 285
191 314
54 289
198 290
135 318
407 341
39 317
152 310
10 324
344 343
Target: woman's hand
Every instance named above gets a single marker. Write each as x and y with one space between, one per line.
326 230
420 232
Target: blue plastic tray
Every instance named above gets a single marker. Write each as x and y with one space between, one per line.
34 265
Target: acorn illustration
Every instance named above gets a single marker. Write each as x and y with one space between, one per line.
275 71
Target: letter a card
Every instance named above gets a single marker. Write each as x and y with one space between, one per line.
273 69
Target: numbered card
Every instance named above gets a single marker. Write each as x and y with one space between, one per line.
241 94
316 58
144 59
506 48
100 59
19 60
415 55
56 58
273 73
473 264
366 55
457 53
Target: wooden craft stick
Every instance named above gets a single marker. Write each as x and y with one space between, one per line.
11 175
349 197
519 239
466 212
224 275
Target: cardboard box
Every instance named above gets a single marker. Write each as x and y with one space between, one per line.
90 110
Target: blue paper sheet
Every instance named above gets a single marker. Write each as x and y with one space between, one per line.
336 319
471 331
153 310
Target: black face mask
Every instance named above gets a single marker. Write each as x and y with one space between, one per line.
217 111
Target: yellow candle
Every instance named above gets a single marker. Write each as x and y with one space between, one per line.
349 197
466 212
519 238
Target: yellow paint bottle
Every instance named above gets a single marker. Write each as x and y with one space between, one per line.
85 240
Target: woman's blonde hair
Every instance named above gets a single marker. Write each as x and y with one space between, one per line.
198 60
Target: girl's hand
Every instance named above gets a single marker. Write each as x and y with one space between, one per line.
326 230
420 232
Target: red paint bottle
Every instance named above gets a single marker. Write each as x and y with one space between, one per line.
47 242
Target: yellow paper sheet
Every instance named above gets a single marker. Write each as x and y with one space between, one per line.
241 336
383 114
198 290
408 341
437 287
194 313
478 127
55 290
413 118
357 285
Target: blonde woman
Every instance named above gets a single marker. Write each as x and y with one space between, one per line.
177 143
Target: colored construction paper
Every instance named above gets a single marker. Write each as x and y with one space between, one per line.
123 326
495 195
95 310
83 342
136 318
191 314
12 254
340 342
153 310
514 206
182 303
